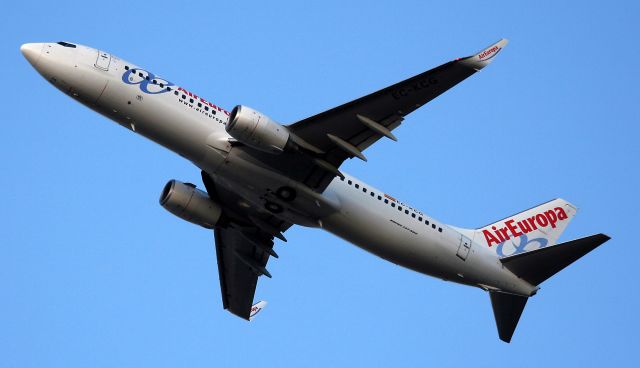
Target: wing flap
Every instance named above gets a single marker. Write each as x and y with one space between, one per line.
383 110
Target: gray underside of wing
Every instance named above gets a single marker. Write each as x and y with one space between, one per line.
238 280
387 107
243 248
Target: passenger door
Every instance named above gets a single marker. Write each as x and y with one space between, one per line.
103 60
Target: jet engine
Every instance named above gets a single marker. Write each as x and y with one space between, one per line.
257 130
189 203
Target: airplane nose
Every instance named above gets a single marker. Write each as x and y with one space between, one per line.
32 52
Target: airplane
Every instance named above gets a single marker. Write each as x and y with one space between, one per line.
261 177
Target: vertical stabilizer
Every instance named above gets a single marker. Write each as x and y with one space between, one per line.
535 228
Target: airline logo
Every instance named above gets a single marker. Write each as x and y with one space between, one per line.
510 248
256 308
197 98
514 229
489 53
390 197
148 81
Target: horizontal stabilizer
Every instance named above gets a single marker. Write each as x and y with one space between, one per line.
507 309
538 265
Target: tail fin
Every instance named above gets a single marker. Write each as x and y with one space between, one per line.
535 228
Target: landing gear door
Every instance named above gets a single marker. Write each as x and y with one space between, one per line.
103 60
464 247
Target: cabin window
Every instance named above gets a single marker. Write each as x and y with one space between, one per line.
426 222
379 198
373 194
393 204
350 182
433 226
126 67
364 190
206 108
140 74
420 219
413 215
440 229
199 104
175 93
154 81
386 200
191 100
184 97
357 186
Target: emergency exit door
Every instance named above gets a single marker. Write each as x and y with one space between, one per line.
464 247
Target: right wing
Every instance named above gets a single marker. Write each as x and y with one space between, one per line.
329 138
244 244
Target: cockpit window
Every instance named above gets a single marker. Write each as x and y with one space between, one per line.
67 44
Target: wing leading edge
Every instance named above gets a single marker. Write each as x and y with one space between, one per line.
347 130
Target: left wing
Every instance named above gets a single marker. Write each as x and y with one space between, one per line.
347 130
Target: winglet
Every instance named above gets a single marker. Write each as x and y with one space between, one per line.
256 308
484 57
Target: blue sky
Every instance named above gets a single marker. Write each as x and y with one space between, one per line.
93 272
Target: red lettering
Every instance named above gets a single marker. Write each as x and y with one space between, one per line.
497 232
513 229
524 226
551 216
561 214
542 220
490 238
532 222
505 235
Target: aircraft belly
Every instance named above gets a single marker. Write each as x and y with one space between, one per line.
156 117
383 237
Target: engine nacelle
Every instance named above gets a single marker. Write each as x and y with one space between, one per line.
189 203
256 130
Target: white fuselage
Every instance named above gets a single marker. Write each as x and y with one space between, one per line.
195 129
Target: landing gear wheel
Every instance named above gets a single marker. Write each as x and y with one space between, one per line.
273 207
287 194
